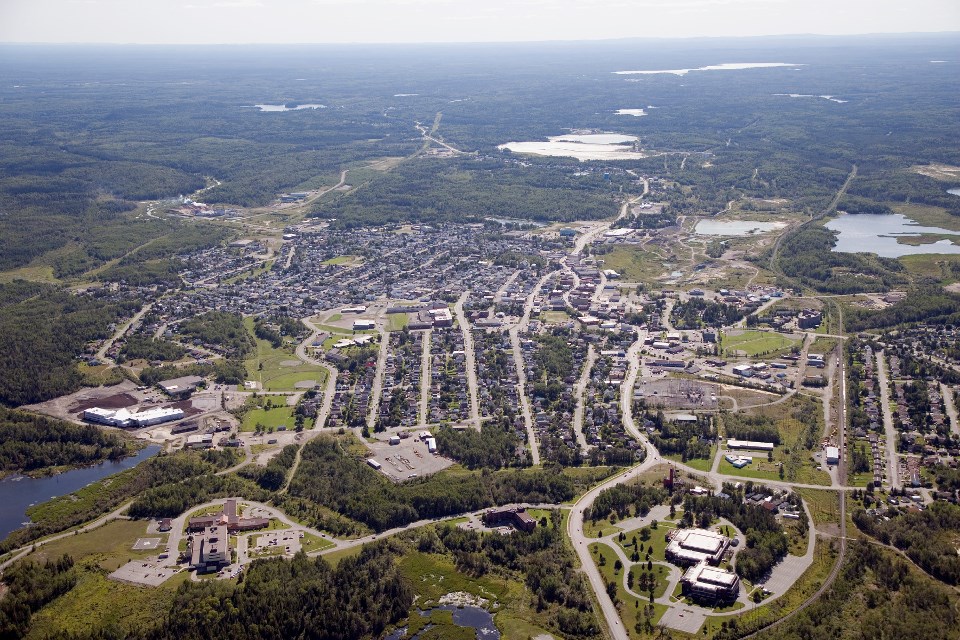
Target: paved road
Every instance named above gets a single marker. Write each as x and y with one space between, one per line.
893 462
377 388
951 408
331 385
423 411
515 332
578 391
120 332
470 359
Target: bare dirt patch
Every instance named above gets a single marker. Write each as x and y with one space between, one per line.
116 401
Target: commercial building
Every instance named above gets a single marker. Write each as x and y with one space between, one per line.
518 518
210 549
691 546
833 455
229 519
180 387
199 441
364 325
710 585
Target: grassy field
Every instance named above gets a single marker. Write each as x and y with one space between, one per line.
340 260
310 543
823 345
701 464
97 601
934 265
631 608
599 528
397 321
334 557
657 541
279 369
824 505
755 343
633 264
275 417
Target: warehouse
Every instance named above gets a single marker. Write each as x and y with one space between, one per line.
747 444
123 417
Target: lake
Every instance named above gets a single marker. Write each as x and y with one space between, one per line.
582 146
19 492
735 227
283 107
878 233
726 66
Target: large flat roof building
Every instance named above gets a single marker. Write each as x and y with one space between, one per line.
709 584
124 418
748 444
211 549
691 546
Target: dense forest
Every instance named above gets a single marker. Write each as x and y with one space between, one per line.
330 477
468 190
219 330
928 537
876 595
29 586
42 330
29 442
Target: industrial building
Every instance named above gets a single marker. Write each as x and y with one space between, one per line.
124 418
691 546
748 444
708 584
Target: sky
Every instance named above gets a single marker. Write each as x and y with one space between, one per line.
342 21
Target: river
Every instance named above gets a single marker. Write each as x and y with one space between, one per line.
17 493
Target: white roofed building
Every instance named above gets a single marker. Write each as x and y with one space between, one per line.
709 584
692 546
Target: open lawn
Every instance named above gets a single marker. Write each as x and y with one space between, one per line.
280 369
276 417
110 546
397 321
755 343
310 542
655 544
97 601
701 464
341 260
631 608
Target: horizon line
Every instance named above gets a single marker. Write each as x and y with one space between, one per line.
480 42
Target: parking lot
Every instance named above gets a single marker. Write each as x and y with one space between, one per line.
150 572
409 459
